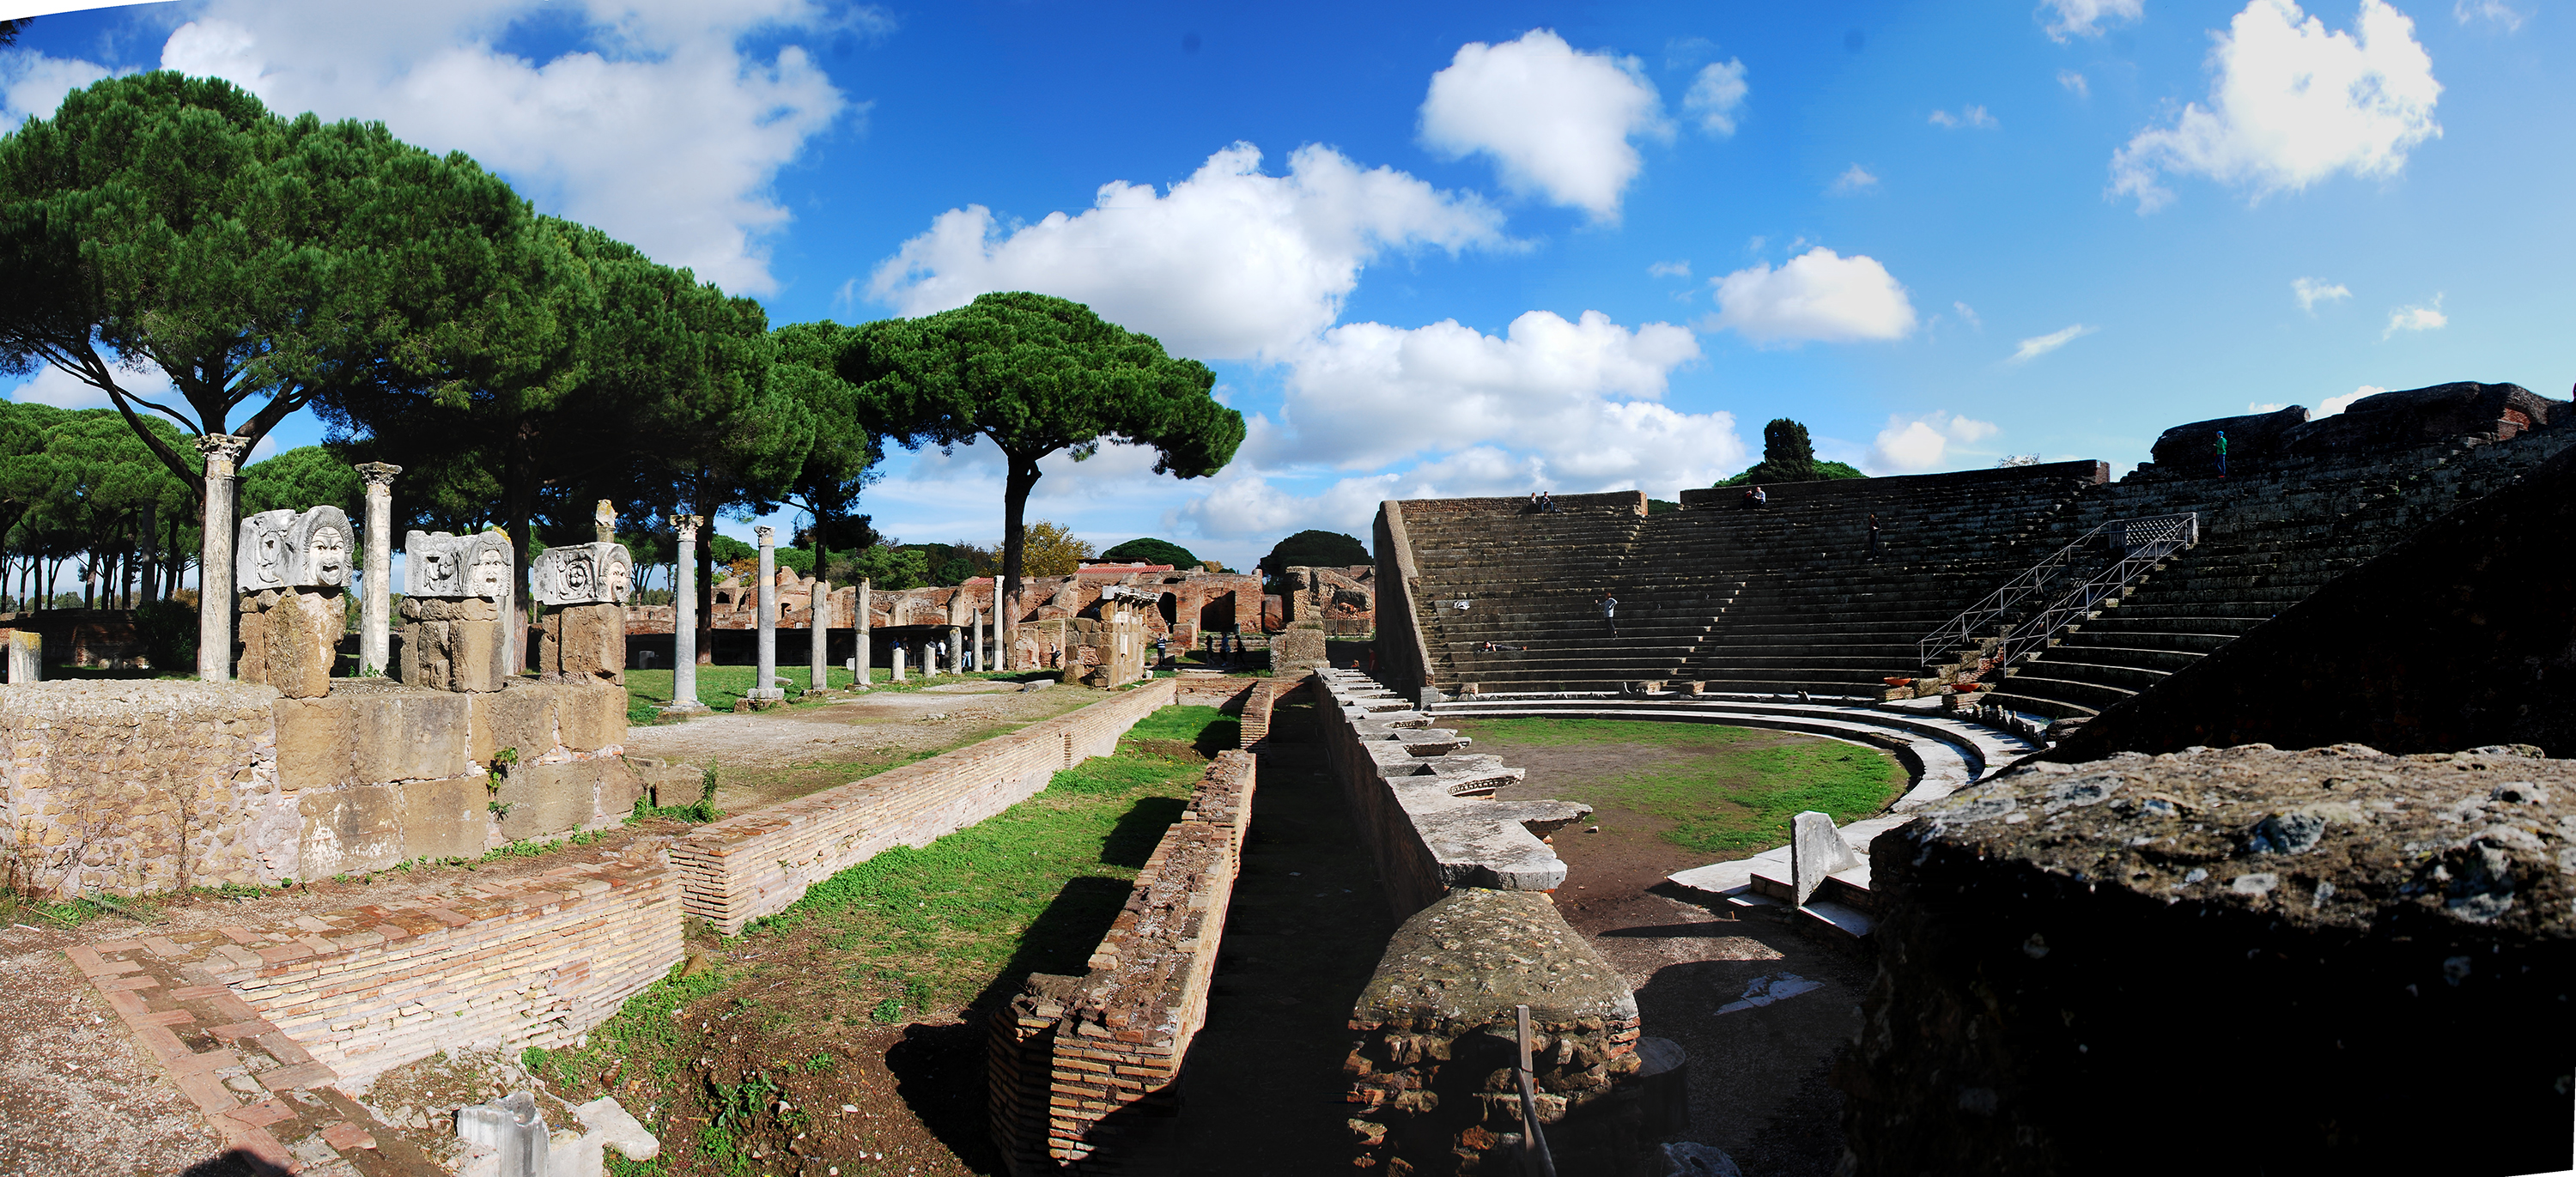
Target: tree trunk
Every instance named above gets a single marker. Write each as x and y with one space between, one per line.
1015 501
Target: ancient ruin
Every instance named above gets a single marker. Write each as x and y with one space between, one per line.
456 591
293 572
582 591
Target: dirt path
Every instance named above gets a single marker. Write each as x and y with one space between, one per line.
1758 1074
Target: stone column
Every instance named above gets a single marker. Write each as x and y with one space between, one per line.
982 662
859 626
956 642
684 612
215 604
376 609
820 626
895 666
767 603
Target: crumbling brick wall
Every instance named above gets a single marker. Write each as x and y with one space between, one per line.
1084 1068
2334 960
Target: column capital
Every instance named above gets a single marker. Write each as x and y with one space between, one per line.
222 447
603 522
764 532
377 473
687 526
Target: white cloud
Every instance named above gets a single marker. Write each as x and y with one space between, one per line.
1680 269
2492 10
2074 83
1854 179
50 385
2040 345
2311 291
2293 104
1817 295
2085 18
1229 264
2424 317
1556 122
661 130
1968 116
2264 406
1914 445
1716 95
1578 394
32 84
1969 315
2336 404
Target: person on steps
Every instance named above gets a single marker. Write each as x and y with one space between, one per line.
1873 535
2222 453
1610 614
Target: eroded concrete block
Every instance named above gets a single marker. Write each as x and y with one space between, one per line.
1816 851
582 643
546 799
522 717
438 564
446 818
590 716
351 830
408 736
582 574
316 743
301 639
454 646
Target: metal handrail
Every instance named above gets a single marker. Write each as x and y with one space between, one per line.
2140 543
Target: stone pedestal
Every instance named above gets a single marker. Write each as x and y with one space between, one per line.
26 656
455 644
290 638
1301 645
578 642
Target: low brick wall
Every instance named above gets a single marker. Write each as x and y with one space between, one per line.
142 786
1260 701
1425 809
743 868
528 962
1082 1067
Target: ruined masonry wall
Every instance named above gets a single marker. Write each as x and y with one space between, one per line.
528 962
1080 1065
745 867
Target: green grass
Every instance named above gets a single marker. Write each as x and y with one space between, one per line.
907 933
1739 788
720 686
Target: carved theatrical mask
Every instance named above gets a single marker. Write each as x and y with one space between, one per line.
487 573
318 548
433 565
259 551
583 574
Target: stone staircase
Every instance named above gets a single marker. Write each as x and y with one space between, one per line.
2269 539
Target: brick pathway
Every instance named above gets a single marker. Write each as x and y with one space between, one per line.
274 1105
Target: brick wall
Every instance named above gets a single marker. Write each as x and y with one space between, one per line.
1082 1069
527 962
745 867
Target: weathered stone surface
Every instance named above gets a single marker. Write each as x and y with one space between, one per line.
522 717
316 743
351 830
1300 645
2360 960
446 818
583 643
2391 420
546 799
408 735
1435 1040
1816 851
618 787
583 574
138 785
300 640
437 564
450 609
465 656
590 716
2252 439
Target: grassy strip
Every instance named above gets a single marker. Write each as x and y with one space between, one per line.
719 686
1728 796
910 932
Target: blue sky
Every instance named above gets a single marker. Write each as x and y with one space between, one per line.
1478 249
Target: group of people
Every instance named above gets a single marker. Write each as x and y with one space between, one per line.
1542 502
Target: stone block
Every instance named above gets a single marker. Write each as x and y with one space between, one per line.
583 574
409 736
302 640
590 716
26 656
253 627
450 609
351 830
1301 644
583 642
445 651
1816 850
543 800
290 549
447 818
316 743
522 717
619 787
437 564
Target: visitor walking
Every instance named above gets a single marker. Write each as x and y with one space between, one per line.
2222 453
1610 614
1873 535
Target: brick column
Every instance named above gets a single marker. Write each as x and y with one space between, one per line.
215 604
375 610
684 627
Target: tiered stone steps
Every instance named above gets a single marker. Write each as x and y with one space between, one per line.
2269 539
